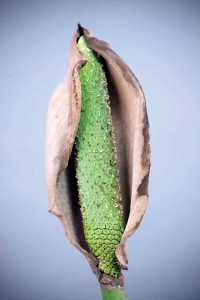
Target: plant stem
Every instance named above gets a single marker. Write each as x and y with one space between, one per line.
112 288
116 294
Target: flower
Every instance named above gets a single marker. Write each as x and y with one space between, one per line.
131 130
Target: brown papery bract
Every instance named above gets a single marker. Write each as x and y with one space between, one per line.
131 130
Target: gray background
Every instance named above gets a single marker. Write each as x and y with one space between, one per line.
160 42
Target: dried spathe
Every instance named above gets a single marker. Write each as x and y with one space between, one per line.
131 130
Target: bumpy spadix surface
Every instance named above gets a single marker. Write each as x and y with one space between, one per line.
97 174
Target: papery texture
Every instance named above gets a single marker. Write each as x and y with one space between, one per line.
131 129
